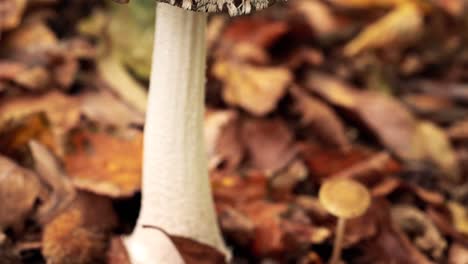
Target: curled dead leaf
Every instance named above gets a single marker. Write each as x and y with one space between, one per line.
255 89
11 12
399 27
105 164
193 252
19 190
269 143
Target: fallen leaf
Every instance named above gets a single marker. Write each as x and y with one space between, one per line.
11 12
460 216
458 254
269 144
399 27
107 110
425 234
104 163
117 253
61 111
19 190
52 175
256 31
226 188
15 136
318 16
121 82
255 89
268 238
194 252
222 139
400 132
320 120
65 240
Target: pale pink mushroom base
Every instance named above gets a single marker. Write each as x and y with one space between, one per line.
176 190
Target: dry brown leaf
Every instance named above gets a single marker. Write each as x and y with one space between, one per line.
193 252
117 253
62 111
436 147
318 17
80 234
258 32
104 163
425 234
269 143
19 190
15 135
222 139
366 3
30 37
52 175
255 89
226 188
390 244
266 217
399 131
460 217
320 120
458 254
283 183
66 241
11 13
235 225
399 27
107 110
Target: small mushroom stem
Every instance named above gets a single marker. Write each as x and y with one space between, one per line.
338 243
176 194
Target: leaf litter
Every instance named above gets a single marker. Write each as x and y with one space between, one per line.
372 90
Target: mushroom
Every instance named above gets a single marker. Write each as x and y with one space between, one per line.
344 198
176 194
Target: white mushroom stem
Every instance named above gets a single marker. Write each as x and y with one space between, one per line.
176 194
338 243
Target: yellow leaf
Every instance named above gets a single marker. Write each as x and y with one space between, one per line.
256 89
460 217
399 27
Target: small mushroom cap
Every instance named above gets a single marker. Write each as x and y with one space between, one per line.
233 7
344 198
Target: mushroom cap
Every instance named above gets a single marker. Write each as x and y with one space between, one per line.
344 197
233 7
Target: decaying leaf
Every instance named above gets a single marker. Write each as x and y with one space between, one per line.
15 135
460 217
194 252
318 17
66 241
11 12
400 132
80 234
399 27
19 190
50 171
117 253
104 163
107 110
61 111
255 89
436 147
458 254
426 236
269 144
320 120
226 188
222 139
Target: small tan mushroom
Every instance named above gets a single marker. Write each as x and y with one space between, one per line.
345 199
